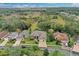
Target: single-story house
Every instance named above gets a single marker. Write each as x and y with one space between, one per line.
77 39
3 34
76 45
41 36
76 48
12 35
24 33
62 37
4 38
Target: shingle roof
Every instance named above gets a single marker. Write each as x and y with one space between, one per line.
60 36
40 34
2 34
12 35
25 32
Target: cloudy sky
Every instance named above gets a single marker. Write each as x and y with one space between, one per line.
20 5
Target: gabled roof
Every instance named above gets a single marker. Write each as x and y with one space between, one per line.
60 36
2 34
13 35
40 34
25 32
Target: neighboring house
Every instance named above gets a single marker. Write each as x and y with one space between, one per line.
77 39
3 34
75 48
4 38
76 45
77 18
41 36
62 37
64 13
12 35
24 33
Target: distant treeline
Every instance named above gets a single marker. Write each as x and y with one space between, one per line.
53 10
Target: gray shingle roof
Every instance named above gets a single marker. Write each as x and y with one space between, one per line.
40 34
12 35
25 33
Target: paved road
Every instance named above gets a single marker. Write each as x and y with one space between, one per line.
66 50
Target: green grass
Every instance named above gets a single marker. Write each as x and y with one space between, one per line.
38 53
1 41
28 41
51 43
10 42
30 51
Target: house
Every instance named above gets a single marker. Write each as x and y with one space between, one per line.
75 48
76 45
61 37
77 18
24 33
41 36
77 38
12 35
64 13
3 34
4 38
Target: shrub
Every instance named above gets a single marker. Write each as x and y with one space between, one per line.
46 53
71 42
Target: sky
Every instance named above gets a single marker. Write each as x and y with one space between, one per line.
22 5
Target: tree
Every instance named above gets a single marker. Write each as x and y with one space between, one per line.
35 48
44 25
71 42
12 24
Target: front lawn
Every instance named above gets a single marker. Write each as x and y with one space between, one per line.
10 42
51 43
1 41
28 41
